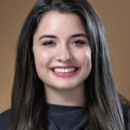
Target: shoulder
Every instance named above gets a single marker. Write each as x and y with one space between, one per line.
4 120
126 112
125 104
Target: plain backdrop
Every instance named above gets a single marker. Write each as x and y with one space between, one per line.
115 15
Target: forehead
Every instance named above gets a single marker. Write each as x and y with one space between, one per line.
54 21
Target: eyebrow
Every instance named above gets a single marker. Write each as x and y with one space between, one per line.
47 36
79 35
73 36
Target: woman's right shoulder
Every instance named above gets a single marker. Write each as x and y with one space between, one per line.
4 120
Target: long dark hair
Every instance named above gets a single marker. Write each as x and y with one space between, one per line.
28 106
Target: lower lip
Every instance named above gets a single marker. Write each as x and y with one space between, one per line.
65 74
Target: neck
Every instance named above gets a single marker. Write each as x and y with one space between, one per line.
67 97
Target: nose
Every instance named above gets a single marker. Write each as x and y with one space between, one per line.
64 54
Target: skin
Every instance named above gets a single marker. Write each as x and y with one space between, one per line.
63 50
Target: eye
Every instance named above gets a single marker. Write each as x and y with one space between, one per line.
79 42
49 43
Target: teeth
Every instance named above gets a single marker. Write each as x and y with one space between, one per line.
57 70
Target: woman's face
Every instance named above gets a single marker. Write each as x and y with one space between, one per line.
61 51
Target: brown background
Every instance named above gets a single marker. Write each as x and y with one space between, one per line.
115 16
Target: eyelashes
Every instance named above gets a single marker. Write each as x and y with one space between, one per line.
75 43
49 43
79 42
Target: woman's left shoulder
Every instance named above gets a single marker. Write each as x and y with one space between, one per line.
125 104
126 112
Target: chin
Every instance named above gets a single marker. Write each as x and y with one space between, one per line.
62 86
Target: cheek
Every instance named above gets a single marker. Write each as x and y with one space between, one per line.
88 59
42 59
84 57
85 61
88 63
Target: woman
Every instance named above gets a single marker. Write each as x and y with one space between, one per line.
63 76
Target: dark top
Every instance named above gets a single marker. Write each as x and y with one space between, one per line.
66 117
4 120
60 118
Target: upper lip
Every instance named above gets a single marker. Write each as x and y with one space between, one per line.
64 67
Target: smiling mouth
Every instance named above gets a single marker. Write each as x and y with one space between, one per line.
66 70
